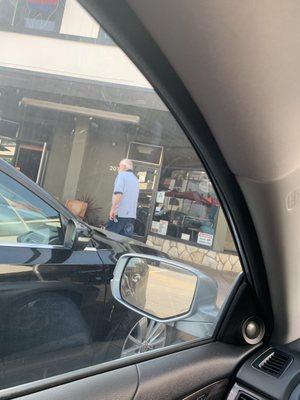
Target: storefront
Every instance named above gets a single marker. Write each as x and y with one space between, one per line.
80 141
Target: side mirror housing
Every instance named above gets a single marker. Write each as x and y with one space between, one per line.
158 288
77 235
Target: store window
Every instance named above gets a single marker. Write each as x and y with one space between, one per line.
45 138
56 18
186 207
31 15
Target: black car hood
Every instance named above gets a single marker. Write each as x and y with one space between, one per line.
111 242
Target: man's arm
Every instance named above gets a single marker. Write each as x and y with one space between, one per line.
117 197
119 187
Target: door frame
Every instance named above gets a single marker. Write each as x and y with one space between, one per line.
158 167
34 146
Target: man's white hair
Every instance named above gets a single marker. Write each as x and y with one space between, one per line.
127 163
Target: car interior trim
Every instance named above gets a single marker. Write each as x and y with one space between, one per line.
194 365
108 366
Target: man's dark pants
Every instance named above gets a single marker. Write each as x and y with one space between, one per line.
124 226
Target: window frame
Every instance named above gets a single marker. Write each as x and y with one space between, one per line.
189 118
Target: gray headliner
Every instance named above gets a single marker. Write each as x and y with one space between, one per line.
240 62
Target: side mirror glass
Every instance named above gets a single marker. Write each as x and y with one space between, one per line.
158 288
77 235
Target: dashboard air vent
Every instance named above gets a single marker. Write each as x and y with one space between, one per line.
274 363
245 396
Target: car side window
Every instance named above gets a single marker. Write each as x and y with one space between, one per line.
25 218
77 117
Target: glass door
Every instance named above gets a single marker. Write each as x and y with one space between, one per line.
148 177
147 161
29 158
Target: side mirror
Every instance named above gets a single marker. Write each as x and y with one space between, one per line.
158 288
77 235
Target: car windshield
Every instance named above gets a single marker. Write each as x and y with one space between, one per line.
17 206
24 216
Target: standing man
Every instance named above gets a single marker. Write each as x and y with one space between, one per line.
125 199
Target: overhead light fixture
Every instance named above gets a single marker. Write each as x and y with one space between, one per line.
89 112
145 149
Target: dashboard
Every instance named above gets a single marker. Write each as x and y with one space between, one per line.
272 372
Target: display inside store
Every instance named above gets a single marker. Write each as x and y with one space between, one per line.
186 207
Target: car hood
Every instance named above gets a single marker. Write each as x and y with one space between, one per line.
113 244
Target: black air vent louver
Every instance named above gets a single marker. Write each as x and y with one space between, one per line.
274 363
245 396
